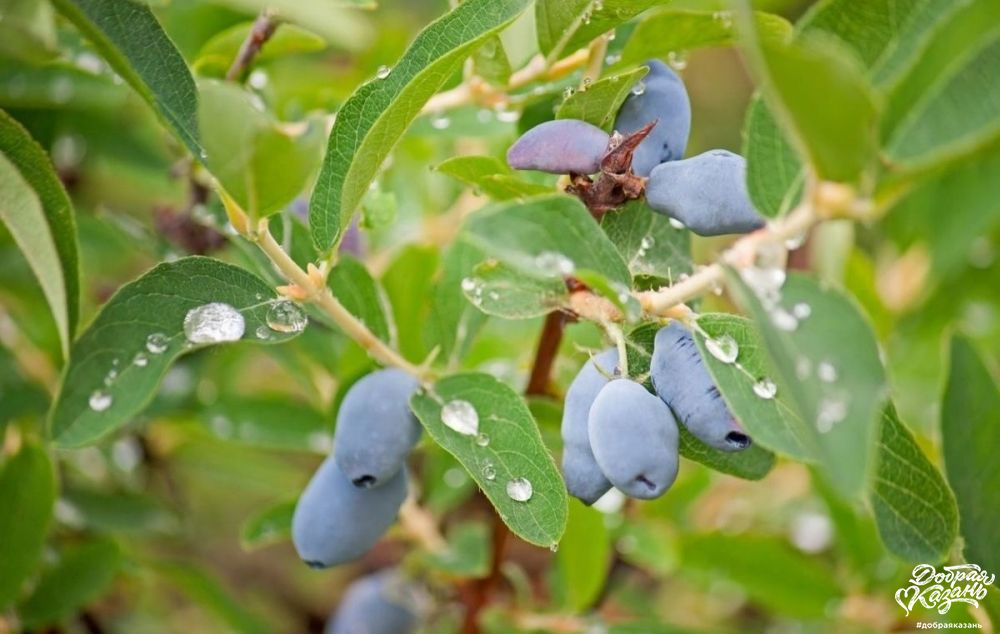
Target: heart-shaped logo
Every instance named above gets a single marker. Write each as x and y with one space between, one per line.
904 594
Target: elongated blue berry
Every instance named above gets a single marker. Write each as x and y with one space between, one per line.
336 522
375 427
661 97
634 438
707 193
560 147
584 478
681 379
380 603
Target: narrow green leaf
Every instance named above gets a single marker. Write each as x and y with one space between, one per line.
408 282
22 396
836 390
28 31
869 28
914 509
467 554
376 115
454 321
599 103
676 31
271 422
751 464
28 489
83 574
218 53
775 174
563 26
490 62
648 243
132 41
584 556
970 431
491 175
546 236
36 168
272 525
116 512
911 37
772 422
514 451
363 297
205 591
103 360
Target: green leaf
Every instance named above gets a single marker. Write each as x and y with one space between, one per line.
911 37
584 556
218 53
103 358
36 168
83 574
823 100
803 588
362 296
454 321
515 450
751 464
530 236
970 431
869 29
772 422
468 552
22 212
564 26
490 62
28 489
22 397
500 290
914 508
667 31
259 164
648 243
408 282
271 422
376 115
490 175
836 390
272 525
206 591
599 103
335 20
132 41
117 512
28 30
774 173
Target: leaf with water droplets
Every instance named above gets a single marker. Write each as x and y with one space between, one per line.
836 420
564 26
145 316
378 113
515 451
599 103
648 243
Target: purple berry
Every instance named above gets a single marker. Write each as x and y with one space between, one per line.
663 99
560 147
379 603
584 478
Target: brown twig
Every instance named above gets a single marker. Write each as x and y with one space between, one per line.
263 28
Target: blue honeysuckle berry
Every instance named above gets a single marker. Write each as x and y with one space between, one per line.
584 478
562 146
379 603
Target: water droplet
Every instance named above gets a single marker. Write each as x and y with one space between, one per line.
519 489
489 471
723 348
568 93
140 360
586 17
765 388
677 61
494 296
461 416
784 320
803 368
795 241
455 477
598 5
826 372
647 243
587 81
286 316
724 18
612 59
832 410
263 332
110 377
554 547
802 310
483 440
100 401
639 88
257 79
157 343
213 323
383 72
555 264
507 115
676 224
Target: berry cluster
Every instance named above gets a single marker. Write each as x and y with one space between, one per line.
615 433
384 602
707 192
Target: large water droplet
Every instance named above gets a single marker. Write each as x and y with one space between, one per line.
157 343
383 72
826 372
765 388
213 323
723 348
519 489
286 316
461 416
100 400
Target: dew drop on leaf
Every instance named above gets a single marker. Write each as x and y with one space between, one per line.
383 72
723 348
157 343
286 316
483 440
832 410
555 264
140 360
802 310
784 320
765 388
519 489
489 471
263 332
826 372
639 88
213 323
676 224
440 121
100 401
461 416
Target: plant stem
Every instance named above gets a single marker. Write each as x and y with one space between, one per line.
263 28
317 292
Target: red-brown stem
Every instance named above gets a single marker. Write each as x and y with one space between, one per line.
263 28
538 385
